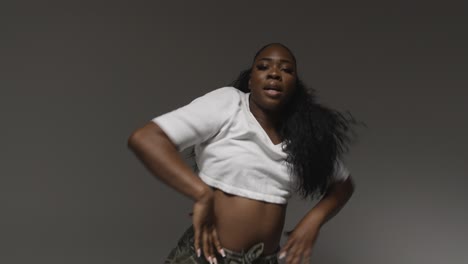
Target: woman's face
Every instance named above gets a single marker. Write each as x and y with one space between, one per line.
273 77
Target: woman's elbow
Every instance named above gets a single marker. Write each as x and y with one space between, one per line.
147 134
138 136
350 185
132 139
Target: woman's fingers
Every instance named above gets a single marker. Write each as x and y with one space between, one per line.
217 243
208 246
203 224
285 250
198 238
294 255
307 255
298 253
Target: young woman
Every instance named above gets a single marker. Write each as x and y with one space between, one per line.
255 143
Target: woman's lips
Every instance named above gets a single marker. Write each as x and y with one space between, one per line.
273 89
272 93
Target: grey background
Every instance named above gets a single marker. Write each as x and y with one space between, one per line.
77 78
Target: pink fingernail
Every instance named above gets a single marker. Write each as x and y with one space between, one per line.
222 253
215 261
282 255
209 260
198 252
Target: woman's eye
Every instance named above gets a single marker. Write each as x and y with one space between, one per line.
262 67
288 70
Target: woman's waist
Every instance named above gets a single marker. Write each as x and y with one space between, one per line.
271 191
242 222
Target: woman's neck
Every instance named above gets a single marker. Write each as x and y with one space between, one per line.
267 119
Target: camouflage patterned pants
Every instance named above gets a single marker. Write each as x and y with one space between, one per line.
184 253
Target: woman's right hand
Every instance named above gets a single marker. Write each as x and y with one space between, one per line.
206 237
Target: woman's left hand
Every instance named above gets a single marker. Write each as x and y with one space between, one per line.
298 248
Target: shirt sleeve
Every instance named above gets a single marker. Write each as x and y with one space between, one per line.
341 173
199 120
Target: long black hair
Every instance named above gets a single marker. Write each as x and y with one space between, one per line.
316 136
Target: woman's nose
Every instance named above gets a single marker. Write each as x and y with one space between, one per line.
274 74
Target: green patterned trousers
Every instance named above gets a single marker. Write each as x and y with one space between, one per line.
184 253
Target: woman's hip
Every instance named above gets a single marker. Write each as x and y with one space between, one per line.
184 253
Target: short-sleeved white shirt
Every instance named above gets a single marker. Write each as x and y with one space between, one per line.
233 152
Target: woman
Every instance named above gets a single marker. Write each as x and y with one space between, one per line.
255 143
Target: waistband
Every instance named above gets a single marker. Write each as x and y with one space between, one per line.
253 253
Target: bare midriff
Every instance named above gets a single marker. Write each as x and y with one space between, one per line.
242 222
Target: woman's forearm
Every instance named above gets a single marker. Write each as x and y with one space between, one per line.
161 157
331 203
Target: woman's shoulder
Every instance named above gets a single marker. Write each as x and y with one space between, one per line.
228 91
224 97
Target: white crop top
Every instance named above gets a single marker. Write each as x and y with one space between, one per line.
233 152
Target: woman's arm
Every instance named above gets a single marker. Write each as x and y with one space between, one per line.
153 147
331 203
302 238
159 154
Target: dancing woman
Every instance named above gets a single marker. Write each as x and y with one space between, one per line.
255 142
